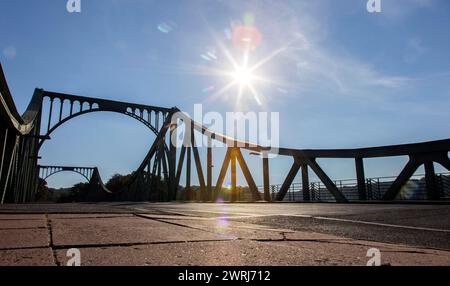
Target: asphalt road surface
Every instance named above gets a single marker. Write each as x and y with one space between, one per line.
417 225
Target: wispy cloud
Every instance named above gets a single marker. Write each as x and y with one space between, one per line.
319 65
10 52
321 68
414 49
398 10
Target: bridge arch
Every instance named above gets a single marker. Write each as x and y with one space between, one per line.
150 116
46 172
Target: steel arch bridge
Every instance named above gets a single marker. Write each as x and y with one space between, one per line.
21 138
150 116
46 172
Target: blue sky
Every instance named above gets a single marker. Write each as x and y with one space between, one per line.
345 78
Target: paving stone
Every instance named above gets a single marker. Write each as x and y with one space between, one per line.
4 216
21 223
21 238
61 208
354 252
304 235
232 229
122 230
87 216
27 257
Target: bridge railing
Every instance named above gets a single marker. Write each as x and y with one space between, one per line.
18 147
443 183
414 189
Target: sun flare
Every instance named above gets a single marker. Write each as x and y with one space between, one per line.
243 76
243 70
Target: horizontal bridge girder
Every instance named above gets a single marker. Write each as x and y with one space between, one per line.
104 103
371 152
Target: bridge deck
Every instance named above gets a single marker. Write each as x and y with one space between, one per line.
224 234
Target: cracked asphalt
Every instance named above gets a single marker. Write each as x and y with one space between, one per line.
224 234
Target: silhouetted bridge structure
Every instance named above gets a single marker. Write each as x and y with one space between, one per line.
22 136
47 171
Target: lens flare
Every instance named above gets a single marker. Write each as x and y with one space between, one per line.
246 38
166 27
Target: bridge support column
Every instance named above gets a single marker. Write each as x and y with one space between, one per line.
401 180
340 198
248 176
188 174
266 178
444 161
305 183
233 176
50 114
288 181
158 177
180 165
209 166
173 184
430 178
359 166
198 165
223 171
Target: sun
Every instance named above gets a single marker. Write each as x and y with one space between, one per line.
243 76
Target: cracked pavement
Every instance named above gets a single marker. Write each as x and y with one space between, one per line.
223 234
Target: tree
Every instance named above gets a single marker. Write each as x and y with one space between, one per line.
117 182
43 193
77 193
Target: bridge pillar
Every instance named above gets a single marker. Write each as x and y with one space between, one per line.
305 183
159 191
233 175
50 114
430 179
288 181
223 171
173 185
267 196
402 179
209 166
359 164
187 190
337 194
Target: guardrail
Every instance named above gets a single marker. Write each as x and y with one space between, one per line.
376 188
